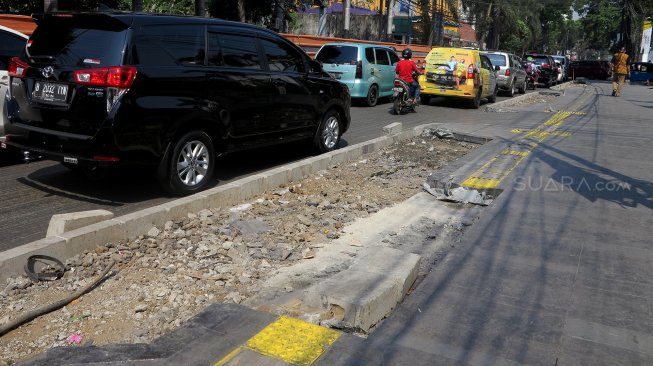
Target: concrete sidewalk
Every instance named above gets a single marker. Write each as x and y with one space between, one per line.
558 270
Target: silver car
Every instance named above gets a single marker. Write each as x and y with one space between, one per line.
511 75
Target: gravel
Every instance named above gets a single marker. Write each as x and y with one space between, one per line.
164 278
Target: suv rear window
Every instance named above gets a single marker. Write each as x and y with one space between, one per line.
168 45
540 60
334 54
74 42
497 59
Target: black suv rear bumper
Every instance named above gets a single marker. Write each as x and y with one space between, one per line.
62 157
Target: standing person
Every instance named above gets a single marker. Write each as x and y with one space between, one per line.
405 70
619 71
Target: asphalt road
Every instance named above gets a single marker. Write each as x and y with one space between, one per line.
32 193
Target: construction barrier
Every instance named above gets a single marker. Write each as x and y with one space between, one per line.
22 23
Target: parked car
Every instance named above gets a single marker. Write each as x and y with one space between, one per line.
511 75
564 62
548 71
475 72
12 43
641 71
368 70
590 69
607 68
99 89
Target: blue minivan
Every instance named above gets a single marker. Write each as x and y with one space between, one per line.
368 70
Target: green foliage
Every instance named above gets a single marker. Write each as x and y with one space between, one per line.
179 7
518 39
24 7
600 20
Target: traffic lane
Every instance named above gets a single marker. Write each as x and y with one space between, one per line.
367 123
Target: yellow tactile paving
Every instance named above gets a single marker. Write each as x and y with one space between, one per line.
293 341
491 174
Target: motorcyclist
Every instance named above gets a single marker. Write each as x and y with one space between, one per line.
406 69
532 69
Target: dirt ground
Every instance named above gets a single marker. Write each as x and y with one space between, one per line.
221 255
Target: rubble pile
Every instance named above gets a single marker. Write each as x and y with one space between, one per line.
214 256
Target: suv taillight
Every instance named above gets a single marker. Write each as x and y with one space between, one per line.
359 70
507 72
17 68
115 77
470 72
546 66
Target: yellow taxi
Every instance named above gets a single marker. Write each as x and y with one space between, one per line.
458 73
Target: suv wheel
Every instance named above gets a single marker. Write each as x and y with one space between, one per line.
327 135
372 96
190 165
511 89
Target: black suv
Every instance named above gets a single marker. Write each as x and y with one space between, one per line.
548 69
98 89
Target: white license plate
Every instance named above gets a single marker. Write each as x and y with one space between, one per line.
397 90
336 75
70 160
50 92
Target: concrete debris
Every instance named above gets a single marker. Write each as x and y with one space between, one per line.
243 207
250 227
218 255
444 133
458 194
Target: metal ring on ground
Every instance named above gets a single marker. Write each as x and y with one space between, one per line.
44 276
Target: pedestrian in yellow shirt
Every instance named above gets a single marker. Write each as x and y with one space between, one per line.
620 69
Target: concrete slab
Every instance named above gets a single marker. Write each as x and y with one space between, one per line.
369 290
62 223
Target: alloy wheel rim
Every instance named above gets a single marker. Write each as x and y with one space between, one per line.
193 163
331 131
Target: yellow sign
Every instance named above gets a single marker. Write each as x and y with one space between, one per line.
648 24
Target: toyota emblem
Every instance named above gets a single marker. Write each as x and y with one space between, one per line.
47 71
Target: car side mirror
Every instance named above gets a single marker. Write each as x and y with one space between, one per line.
497 68
315 67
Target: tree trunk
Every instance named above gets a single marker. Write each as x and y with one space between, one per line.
50 5
241 11
381 23
137 5
387 32
426 30
199 8
431 24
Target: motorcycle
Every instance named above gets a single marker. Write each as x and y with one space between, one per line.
531 79
401 99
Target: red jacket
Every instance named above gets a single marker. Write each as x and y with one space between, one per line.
405 70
